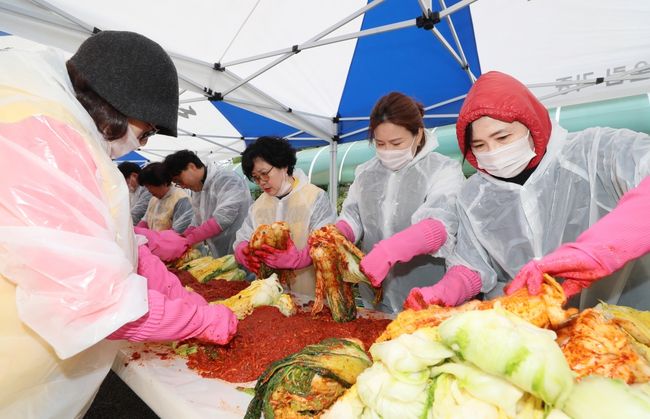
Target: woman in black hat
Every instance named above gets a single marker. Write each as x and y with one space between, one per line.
71 273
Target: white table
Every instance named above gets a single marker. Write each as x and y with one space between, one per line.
172 390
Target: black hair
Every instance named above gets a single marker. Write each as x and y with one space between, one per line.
127 168
175 163
109 121
468 141
154 174
274 150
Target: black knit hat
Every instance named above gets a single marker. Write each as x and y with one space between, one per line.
132 73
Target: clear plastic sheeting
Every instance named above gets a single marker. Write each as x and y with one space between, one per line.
67 248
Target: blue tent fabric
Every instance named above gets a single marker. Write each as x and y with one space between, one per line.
133 157
411 61
254 125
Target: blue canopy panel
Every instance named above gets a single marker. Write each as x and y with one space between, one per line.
411 61
250 124
133 157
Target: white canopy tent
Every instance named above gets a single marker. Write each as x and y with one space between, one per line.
307 63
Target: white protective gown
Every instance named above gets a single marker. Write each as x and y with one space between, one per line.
67 248
382 202
580 179
226 198
306 208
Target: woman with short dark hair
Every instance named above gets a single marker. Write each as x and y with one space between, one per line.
287 196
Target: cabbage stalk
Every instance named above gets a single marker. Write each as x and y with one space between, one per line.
486 387
596 397
502 344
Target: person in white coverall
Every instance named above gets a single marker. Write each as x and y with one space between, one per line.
71 273
401 205
220 202
139 196
573 205
288 196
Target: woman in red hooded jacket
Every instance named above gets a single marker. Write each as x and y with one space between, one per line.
573 205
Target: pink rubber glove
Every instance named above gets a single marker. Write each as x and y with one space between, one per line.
345 229
163 281
457 286
178 319
168 245
244 256
206 230
424 237
291 258
142 224
617 238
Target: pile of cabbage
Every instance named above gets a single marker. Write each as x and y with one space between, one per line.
482 364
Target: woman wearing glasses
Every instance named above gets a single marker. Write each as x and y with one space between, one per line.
71 272
401 206
287 196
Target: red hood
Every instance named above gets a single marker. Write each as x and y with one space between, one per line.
502 97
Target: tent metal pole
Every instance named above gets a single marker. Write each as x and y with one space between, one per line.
48 6
355 118
289 51
197 99
445 102
43 17
459 46
256 105
588 83
351 133
442 115
315 38
294 134
333 181
191 134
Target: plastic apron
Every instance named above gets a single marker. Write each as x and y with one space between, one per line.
67 249
160 213
306 208
580 179
226 198
382 202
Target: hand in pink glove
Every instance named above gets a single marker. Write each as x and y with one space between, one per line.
142 224
163 281
617 238
457 286
244 256
291 258
206 230
178 319
167 244
424 237
345 229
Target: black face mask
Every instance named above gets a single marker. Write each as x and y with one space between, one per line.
521 178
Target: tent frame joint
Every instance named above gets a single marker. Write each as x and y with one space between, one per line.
336 138
218 67
427 20
96 30
336 119
295 49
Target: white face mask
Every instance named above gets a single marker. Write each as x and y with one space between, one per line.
396 159
509 160
123 145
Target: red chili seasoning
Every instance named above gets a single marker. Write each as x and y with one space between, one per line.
217 289
267 336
